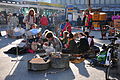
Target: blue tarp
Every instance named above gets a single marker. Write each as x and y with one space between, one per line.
35 31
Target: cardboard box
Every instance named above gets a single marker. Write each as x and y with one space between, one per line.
117 23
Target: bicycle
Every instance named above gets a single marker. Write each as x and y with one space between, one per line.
111 59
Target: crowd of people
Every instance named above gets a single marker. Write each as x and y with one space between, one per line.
43 21
59 39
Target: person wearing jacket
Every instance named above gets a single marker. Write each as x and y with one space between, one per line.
83 43
30 19
44 23
71 45
67 26
87 21
79 21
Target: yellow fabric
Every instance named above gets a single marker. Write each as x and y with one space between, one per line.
78 60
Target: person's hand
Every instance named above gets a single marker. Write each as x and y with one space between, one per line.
66 45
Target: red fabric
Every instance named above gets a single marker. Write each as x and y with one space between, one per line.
67 27
89 17
31 51
44 21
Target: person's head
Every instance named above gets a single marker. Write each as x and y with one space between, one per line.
14 14
32 12
33 26
67 20
87 34
21 14
39 34
65 34
10 14
70 36
81 35
87 12
43 15
49 35
75 35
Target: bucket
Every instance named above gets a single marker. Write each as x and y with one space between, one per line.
62 62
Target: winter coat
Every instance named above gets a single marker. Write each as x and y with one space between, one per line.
67 27
44 21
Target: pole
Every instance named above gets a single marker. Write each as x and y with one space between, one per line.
89 4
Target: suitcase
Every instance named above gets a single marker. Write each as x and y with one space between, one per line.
38 64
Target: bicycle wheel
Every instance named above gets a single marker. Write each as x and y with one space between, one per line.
108 72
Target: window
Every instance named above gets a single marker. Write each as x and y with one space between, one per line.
102 2
82 2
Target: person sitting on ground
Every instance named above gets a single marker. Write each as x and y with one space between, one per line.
83 44
57 45
76 36
64 40
71 46
90 39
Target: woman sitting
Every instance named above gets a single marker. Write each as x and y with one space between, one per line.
83 44
90 39
71 46
64 40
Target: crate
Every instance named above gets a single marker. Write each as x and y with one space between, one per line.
117 23
96 24
102 16
95 17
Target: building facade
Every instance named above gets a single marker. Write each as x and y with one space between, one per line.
94 3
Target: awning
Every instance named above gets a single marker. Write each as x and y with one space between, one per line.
110 9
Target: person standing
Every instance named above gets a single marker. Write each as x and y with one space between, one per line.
12 21
87 21
67 27
56 22
44 23
79 21
21 23
30 19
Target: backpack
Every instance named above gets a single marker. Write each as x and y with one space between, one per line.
102 56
